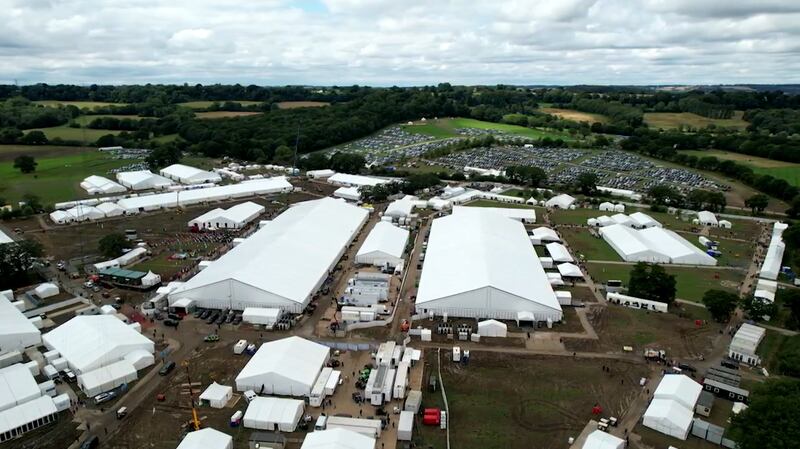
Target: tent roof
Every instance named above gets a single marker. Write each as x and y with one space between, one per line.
642 219
508 212
350 193
216 392
13 322
185 172
288 256
4 238
671 411
26 413
356 180
748 337
680 388
106 374
272 409
563 201
544 233
570 270
492 323
602 440
558 252
385 238
101 183
207 438
654 244
401 207
239 213
337 438
170 199
706 217
293 358
17 386
88 342
472 251
150 179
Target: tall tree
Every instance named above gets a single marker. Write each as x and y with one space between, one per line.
652 282
757 203
770 421
15 261
25 163
112 245
720 304
587 182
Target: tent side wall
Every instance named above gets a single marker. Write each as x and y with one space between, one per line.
487 302
231 294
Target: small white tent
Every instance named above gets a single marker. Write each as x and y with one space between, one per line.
207 438
273 414
562 201
216 395
606 207
602 440
492 328
707 218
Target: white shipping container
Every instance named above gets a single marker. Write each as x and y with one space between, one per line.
10 358
60 363
333 382
405 426
239 347
401 381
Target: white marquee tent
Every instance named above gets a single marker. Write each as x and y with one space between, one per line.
344 179
668 417
707 218
545 234
603 440
337 438
17 386
189 175
492 328
143 180
235 217
524 215
642 220
348 193
482 266
386 243
98 185
562 201
558 252
110 209
107 377
774 258
16 331
654 245
207 438
569 270
273 414
282 264
91 342
287 367
216 395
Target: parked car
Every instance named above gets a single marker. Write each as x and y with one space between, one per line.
212 319
229 318
198 313
104 397
206 313
171 323
237 319
220 319
122 412
167 368
91 443
687 367
174 317
68 375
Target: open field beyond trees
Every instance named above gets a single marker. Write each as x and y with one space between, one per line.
446 127
224 114
672 120
206 103
302 104
787 171
78 104
65 132
576 116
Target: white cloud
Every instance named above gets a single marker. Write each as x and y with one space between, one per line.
386 42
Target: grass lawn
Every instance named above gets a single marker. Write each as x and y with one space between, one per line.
84 120
574 216
79 104
788 171
590 247
205 104
302 104
768 350
56 178
576 116
224 114
9 152
84 135
734 253
490 203
671 120
446 128
691 282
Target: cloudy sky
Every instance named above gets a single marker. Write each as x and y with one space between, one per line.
400 42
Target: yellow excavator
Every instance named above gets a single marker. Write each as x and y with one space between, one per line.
195 420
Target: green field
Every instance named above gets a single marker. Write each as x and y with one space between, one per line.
788 171
224 114
84 120
490 203
672 120
84 135
205 104
446 127
734 252
585 244
9 152
79 104
56 178
691 282
576 116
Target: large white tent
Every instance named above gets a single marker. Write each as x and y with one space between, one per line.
17 386
16 331
492 328
91 342
4 238
524 215
545 234
26 417
385 243
281 265
98 185
287 367
216 395
274 414
189 175
482 266
110 209
654 245
642 220
143 180
347 180
403 207
107 377
265 186
337 438
207 438
235 217
774 258
562 201
668 417
707 218
672 409
603 440
745 343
